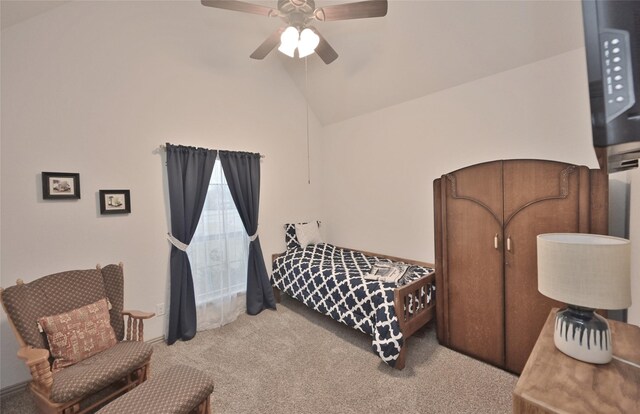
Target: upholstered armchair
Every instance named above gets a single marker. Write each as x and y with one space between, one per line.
114 358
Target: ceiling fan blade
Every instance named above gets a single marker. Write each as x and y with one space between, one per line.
267 46
359 10
324 49
241 6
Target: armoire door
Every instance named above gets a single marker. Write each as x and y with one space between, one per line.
539 197
473 261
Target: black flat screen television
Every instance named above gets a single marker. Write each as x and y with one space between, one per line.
612 41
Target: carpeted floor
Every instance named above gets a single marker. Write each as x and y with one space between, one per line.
295 360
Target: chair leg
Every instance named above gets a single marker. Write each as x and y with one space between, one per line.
204 407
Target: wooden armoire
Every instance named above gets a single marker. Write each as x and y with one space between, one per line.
487 217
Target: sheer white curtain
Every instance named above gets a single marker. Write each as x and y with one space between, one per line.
218 255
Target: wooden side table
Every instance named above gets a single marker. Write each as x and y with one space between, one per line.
553 382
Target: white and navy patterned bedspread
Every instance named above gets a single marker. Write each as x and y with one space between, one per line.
330 280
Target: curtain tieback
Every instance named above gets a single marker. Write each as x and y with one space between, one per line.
254 236
177 242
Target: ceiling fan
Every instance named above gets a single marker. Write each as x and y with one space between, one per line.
298 34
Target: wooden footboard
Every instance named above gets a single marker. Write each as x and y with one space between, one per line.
412 310
410 304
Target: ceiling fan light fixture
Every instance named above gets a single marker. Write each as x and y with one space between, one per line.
298 14
289 41
309 40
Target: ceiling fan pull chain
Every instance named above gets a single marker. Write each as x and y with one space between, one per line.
306 99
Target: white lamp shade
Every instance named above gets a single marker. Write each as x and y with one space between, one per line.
289 41
586 270
309 40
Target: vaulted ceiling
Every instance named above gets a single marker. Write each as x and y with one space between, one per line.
420 47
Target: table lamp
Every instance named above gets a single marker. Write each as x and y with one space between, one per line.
587 272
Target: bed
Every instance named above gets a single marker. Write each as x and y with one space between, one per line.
331 280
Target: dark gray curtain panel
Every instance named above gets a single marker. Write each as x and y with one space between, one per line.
242 171
189 172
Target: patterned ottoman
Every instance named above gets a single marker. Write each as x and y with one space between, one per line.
177 390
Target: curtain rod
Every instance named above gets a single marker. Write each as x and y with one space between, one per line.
164 147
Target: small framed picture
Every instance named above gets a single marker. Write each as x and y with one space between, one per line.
60 186
115 202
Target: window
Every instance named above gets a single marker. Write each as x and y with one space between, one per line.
218 254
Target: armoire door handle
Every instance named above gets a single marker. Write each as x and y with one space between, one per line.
495 241
509 243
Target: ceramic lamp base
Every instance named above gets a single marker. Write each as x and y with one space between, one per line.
583 334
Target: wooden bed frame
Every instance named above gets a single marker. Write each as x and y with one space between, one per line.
410 322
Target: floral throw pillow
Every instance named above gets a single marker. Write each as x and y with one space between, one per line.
79 333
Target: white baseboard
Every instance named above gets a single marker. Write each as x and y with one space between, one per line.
155 340
12 389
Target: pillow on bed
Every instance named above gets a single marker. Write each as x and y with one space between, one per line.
290 235
308 233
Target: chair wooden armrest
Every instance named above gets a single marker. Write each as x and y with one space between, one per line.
37 359
135 324
138 314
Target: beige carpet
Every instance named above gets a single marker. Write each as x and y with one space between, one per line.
295 360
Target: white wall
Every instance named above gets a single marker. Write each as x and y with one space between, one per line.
633 315
384 203
95 88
